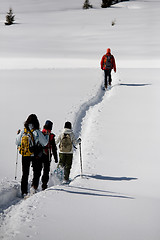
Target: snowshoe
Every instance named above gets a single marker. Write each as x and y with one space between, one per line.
59 173
66 182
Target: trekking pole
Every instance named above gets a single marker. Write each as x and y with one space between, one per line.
15 177
49 148
49 156
80 152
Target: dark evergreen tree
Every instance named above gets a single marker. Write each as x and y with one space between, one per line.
87 4
106 3
10 17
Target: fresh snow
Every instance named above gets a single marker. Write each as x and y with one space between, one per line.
50 66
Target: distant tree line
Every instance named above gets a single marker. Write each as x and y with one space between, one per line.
105 3
108 3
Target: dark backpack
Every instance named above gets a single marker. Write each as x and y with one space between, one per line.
66 143
47 148
107 63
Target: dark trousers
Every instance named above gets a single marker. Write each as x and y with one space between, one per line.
45 165
26 162
107 77
36 164
66 162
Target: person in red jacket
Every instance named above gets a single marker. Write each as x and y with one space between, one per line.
48 150
107 64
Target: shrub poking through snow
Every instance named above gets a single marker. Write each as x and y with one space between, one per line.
113 22
10 17
87 5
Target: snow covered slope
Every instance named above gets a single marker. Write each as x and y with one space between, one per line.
51 56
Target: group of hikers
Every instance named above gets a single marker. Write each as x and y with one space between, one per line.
37 148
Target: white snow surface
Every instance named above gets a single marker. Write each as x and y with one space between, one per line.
50 66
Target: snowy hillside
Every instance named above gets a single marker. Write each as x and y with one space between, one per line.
50 66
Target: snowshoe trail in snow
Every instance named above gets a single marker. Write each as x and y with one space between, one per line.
10 192
85 107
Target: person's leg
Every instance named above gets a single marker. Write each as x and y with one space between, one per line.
25 174
68 166
105 78
46 170
110 78
61 160
37 167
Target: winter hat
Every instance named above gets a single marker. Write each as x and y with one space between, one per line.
48 125
68 125
108 50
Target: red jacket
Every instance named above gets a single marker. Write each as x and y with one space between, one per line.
112 61
51 146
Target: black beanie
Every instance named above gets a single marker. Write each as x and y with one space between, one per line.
68 125
48 125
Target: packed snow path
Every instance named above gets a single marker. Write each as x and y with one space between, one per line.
10 197
10 191
112 194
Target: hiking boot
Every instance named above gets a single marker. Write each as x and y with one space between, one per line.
33 190
44 186
24 195
65 182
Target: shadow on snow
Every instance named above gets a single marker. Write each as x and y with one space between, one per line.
100 177
135 84
10 195
92 191
88 192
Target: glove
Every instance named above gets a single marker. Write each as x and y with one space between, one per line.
18 131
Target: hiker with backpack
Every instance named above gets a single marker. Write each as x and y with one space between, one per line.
107 64
66 142
30 142
48 150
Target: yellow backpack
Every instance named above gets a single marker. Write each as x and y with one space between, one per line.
27 141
